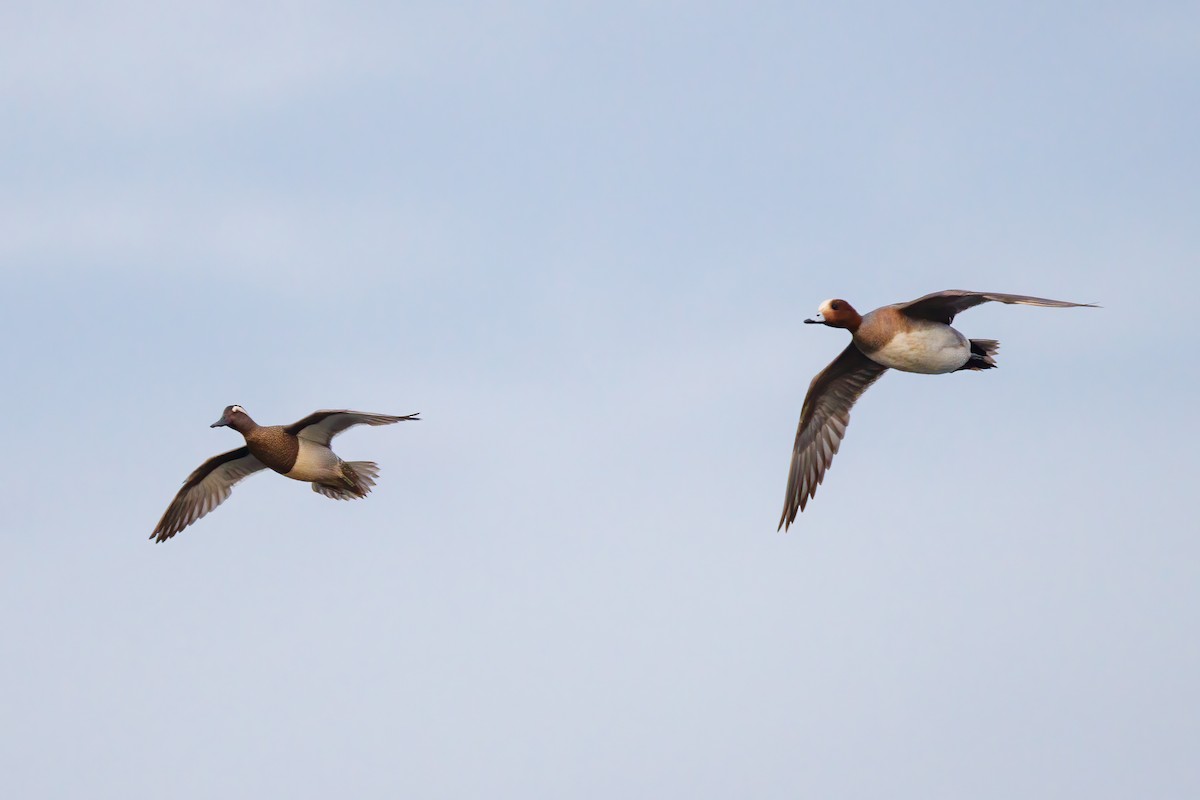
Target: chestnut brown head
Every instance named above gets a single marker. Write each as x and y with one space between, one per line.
836 314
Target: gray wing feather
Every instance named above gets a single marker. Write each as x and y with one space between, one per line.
205 489
823 421
322 426
943 306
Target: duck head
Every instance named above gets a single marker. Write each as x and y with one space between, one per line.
837 314
234 417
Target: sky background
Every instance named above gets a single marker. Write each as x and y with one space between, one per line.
580 240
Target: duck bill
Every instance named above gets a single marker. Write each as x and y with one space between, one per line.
815 321
222 422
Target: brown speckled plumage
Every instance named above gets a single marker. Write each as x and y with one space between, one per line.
274 446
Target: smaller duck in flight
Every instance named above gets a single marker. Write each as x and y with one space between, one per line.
299 451
912 337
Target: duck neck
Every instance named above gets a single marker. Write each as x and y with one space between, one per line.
242 423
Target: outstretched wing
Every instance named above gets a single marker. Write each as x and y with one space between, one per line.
322 426
823 421
942 306
205 489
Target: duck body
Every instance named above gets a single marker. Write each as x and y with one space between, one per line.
889 337
293 457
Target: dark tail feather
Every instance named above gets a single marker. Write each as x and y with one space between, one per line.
982 351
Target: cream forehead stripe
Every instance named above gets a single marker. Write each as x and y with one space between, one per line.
238 408
826 309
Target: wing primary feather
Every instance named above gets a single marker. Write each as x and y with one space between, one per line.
322 426
823 420
944 306
206 488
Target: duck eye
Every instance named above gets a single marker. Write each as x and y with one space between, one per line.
836 306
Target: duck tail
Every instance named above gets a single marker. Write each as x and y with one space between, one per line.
982 352
359 477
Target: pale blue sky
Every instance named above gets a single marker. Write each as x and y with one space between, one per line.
580 239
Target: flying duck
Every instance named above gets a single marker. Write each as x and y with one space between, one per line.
299 451
912 337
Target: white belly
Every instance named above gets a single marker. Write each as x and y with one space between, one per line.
315 463
931 349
